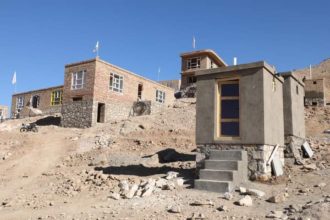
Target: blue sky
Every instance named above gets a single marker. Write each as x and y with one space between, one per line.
38 37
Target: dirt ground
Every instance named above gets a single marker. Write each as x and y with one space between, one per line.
67 173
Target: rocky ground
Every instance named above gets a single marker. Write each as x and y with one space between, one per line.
142 168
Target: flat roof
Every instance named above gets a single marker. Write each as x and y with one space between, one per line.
39 90
292 75
117 67
258 64
209 52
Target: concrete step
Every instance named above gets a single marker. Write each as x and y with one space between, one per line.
221 165
220 175
213 186
226 154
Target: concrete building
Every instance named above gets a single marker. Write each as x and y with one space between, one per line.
46 101
94 91
241 107
316 92
3 112
197 60
293 103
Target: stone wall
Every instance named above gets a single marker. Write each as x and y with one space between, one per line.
258 156
314 101
77 114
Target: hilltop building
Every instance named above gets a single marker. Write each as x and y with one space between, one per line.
3 112
94 91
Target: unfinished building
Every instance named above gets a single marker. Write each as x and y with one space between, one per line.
316 92
197 60
243 114
94 91
3 112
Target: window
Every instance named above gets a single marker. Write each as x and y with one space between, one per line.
19 103
77 99
297 90
140 89
194 63
116 82
228 109
314 82
35 101
78 80
160 96
212 64
56 98
192 79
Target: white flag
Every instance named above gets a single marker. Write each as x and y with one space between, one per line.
96 49
13 81
194 42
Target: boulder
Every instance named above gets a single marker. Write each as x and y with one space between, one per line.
245 201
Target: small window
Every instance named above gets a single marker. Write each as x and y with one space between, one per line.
78 80
160 96
194 63
19 103
56 97
116 82
228 109
140 89
314 82
297 90
192 79
77 99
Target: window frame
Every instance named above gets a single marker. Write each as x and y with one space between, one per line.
53 97
160 96
116 82
19 104
197 65
217 135
74 79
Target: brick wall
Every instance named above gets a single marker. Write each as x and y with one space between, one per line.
96 90
44 102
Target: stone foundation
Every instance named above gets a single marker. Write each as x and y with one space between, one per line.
78 114
258 156
314 102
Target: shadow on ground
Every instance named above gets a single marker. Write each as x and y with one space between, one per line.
171 155
50 120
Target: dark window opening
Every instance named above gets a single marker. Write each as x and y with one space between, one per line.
314 82
297 90
77 99
35 101
314 103
100 112
229 108
192 79
140 89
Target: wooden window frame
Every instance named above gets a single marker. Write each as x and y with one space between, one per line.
54 100
218 120
191 65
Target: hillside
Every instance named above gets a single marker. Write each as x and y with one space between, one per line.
68 173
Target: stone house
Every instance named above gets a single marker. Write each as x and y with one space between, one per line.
197 60
94 91
3 112
316 92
